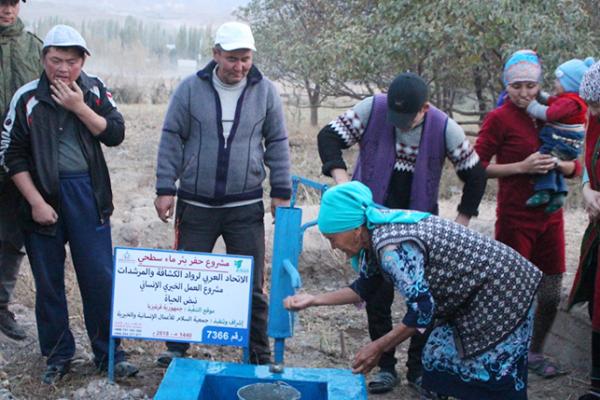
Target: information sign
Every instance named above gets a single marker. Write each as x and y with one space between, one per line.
181 296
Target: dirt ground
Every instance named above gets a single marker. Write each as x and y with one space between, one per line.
325 337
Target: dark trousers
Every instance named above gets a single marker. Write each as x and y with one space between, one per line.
379 316
243 231
595 375
11 242
91 251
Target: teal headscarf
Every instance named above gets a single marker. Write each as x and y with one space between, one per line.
350 205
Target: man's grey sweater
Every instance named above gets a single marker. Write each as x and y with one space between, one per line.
209 169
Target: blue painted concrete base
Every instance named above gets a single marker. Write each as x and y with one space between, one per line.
188 379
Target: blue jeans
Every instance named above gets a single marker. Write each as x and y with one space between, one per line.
553 181
91 251
563 144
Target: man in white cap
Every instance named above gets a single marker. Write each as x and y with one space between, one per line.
51 149
20 53
222 126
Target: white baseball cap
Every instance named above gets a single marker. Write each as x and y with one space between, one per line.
65 36
234 35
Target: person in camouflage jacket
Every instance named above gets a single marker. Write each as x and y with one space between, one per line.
20 53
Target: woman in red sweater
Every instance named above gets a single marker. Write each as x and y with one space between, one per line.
586 287
512 136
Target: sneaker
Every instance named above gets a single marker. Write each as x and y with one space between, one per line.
125 369
165 358
10 327
416 384
54 373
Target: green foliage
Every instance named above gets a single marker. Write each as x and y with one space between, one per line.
351 48
297 45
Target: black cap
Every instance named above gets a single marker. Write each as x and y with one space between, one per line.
406 96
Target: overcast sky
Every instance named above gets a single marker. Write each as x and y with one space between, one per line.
172 12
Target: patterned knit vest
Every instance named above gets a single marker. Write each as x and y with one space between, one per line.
481 287
377 156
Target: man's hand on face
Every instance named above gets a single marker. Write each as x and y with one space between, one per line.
69 96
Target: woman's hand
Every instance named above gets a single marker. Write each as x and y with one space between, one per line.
367 358
591 201
299 301
537 163
369 355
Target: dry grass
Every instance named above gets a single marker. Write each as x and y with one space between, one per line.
320 333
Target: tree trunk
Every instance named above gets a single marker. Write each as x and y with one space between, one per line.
314 98
449 96
314 115
479 86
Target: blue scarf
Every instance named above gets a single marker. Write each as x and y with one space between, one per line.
350 205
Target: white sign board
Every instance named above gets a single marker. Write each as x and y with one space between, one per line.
181 296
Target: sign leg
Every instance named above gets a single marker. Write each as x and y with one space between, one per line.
111 360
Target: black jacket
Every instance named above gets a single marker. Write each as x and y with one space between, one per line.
30 143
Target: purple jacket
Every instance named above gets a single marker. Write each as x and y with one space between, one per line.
377 157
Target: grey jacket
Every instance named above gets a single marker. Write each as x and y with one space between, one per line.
193 151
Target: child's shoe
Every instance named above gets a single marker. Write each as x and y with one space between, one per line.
539 198
557 200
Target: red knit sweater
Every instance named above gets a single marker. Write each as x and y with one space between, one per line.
592 135
566 108
511 135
